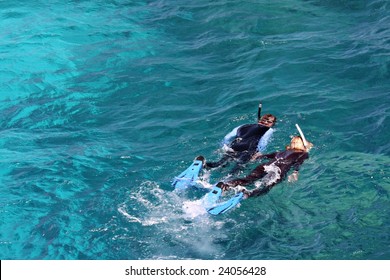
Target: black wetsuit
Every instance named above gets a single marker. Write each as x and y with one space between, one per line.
283 160
244 146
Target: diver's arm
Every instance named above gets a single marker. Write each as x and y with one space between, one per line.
259 155
294 176
269 156
299 161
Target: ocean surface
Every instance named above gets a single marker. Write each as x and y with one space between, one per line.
102 103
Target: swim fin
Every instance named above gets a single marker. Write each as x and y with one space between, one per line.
212 197
189 176
227 205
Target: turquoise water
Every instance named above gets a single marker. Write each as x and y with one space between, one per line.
102 103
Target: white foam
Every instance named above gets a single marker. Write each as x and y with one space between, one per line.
273 174
193 209
129 217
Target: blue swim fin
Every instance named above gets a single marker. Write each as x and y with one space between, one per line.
227 205
189 176
212 197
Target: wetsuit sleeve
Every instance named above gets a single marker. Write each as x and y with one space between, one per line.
263 141
299 161
230 136
269 156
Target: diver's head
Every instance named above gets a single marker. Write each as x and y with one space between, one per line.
298 144
267 120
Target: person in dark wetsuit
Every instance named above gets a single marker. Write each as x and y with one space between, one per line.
275 170
243 142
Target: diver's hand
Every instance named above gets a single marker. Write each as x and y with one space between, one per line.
227 149
256 156
293 177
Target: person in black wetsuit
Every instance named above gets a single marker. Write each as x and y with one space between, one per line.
245 141
275 170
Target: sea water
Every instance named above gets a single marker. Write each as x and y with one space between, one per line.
102 103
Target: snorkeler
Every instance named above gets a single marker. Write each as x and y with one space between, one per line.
275 170
245 141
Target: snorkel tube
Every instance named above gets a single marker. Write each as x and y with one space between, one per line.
259 112
302 136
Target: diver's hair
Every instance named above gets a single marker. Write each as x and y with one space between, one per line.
300 138
295 137
269 116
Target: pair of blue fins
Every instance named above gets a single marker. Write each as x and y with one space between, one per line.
211 200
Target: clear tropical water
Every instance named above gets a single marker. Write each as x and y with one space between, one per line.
102 103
